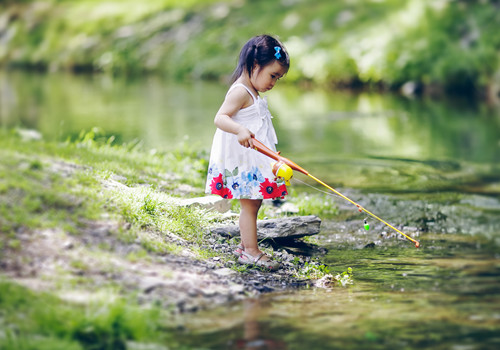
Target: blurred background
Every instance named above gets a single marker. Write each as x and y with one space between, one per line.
396 79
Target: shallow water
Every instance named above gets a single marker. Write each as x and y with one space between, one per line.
430 168
445 295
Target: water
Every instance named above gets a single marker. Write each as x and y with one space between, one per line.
415 163
443 296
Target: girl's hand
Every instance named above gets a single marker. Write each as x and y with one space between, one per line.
245 137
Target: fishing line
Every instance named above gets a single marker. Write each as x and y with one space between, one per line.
283 169
366 225
315 188
361 209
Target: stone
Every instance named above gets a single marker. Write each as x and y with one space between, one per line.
223 272
292 227
208 202
148 284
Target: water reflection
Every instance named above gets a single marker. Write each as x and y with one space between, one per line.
313 125
256 335
160 114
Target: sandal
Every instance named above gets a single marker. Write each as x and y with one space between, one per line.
238 250
248 259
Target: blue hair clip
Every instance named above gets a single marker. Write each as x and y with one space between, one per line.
277 54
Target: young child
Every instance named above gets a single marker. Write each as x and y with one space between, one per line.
236 170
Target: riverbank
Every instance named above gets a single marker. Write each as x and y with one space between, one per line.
87 223
416 47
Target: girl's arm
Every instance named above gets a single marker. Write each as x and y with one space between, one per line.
235 100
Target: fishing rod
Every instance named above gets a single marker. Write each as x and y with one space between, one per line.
283 169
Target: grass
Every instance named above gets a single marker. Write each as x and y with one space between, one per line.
41 321
47 185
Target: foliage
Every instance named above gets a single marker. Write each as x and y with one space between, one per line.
380 43
40 321
345 277
310 270
319 272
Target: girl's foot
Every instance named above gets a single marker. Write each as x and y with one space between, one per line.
261 260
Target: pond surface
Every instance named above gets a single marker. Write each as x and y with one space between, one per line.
432 168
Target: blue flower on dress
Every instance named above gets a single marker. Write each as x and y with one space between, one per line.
212 169
253 175
235 187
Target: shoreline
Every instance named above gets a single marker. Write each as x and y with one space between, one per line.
92 236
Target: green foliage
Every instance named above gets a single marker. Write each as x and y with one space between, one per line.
39 321
311 270
454 46
345 277
452 43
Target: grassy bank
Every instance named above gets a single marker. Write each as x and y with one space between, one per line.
45 184
59 189
446 46
89 232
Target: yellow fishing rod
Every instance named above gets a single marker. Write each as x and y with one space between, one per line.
283 169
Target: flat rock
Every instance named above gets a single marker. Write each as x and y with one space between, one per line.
292 227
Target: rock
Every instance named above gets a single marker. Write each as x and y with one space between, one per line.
326 281
148 284
236 288
293 227
224 272
208 202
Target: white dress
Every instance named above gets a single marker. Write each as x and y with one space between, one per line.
244 173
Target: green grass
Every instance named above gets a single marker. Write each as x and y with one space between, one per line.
41 321
322 205
65 185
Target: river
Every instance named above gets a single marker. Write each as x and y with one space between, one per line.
431 167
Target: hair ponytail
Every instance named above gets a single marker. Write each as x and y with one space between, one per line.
260 50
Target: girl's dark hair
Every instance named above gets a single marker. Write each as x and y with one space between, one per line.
261 50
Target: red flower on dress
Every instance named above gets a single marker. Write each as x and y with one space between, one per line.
282 190
226 193
271 190
218 187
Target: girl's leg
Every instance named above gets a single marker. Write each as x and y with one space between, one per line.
248 225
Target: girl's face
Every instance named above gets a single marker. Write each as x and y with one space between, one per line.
264 78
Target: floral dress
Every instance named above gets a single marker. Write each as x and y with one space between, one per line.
244 173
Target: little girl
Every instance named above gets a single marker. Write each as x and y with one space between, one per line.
236 170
